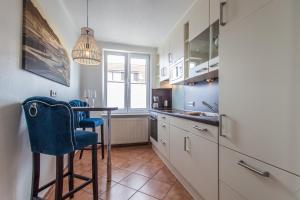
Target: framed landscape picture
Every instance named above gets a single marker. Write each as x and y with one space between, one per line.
42 51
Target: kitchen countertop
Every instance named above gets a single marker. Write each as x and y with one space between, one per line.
212 120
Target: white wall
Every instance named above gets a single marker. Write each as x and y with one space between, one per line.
15 86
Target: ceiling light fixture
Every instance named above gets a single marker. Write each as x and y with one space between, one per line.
86 50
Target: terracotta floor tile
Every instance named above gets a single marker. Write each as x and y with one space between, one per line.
132 168
82 195
118 192
178 192
131 165
103 185
134 181
149 170
156 161
141 196
156 189
165 175
119 174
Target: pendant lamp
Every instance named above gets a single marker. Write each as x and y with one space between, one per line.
86 51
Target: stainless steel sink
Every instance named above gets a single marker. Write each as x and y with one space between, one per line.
201 114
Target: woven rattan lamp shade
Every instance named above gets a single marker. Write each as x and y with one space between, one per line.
86 51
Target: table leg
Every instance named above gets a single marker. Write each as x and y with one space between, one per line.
108 146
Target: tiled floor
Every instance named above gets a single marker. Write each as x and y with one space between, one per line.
138 174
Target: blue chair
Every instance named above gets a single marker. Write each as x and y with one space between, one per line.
83 120
51 131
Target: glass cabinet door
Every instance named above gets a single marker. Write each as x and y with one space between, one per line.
214 46
199 53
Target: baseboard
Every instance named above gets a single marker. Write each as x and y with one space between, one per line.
130 144
179 177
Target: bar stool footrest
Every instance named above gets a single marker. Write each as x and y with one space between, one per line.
67 195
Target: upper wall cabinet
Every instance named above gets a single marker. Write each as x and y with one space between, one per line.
238 10
164 56
199 18
214 11
176 43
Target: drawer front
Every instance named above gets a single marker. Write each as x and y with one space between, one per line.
163 118
226 193
245 175
204 130
164 138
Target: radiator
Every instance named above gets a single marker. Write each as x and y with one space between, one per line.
127 130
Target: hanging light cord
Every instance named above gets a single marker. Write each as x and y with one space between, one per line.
87 25
87 13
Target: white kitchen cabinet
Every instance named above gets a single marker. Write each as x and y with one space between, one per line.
164 50
259 81
235 11
177 43
255 180
163 139
177 72
199 18
203 130
227 193
214 11
163 134
197 160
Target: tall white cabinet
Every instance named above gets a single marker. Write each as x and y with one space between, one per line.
259 94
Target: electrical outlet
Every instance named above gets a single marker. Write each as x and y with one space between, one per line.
53 93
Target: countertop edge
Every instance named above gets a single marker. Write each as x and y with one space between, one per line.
196 119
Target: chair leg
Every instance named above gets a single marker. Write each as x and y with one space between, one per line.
71 172
81 152
35 175
95 172
102 141
59 177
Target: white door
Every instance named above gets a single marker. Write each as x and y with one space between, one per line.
259 81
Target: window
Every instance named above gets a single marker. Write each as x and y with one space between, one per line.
126 82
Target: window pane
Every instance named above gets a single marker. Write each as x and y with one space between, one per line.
115 81
138 85
138 95
138 70
115 95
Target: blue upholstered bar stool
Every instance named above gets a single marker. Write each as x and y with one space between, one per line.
51 131
83 120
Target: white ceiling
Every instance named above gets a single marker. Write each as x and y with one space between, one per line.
136 22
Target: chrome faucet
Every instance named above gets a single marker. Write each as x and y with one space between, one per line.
210 107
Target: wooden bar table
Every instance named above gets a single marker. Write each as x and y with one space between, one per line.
108 110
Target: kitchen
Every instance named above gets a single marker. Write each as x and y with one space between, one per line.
195 99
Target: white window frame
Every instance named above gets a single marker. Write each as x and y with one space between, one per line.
127 76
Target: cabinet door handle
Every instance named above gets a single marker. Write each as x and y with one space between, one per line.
200 129
200 70
189 146
222 5
162 141
184 144
221 125
164 126
261 173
